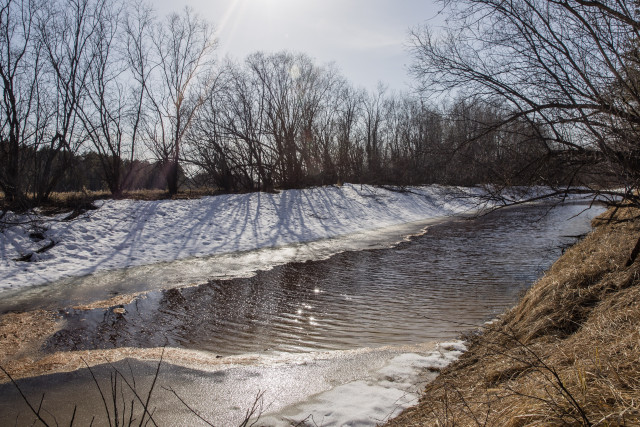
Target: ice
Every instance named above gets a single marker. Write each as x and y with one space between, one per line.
373 400
184 241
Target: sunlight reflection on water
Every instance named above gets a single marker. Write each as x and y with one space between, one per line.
103 285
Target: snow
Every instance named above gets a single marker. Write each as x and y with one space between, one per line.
373 400
128 233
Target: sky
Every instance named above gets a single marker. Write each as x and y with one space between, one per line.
366 39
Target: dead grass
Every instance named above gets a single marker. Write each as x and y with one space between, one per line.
567 354
79 201
70 197
162 194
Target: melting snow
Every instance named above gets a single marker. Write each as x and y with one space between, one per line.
127 233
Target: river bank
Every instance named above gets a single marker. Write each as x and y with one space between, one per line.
566 354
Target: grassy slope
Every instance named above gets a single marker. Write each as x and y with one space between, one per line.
568 353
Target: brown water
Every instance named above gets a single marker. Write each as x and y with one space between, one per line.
458 274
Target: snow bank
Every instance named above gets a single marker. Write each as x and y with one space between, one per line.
126 233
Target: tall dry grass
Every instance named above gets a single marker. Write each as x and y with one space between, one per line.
567 354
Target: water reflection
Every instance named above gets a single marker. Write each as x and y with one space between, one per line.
464 271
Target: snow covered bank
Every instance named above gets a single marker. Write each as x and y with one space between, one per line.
126 233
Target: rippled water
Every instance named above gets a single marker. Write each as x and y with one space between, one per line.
457 274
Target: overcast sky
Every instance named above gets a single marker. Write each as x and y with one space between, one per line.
365 38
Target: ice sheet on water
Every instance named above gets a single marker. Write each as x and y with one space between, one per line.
370 401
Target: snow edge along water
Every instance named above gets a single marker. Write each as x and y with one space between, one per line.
128 233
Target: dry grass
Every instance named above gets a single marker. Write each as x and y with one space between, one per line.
195 193
567 354
83 200
22 336
69 197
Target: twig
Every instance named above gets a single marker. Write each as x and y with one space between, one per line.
24 398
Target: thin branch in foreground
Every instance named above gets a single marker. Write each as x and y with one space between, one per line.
24 398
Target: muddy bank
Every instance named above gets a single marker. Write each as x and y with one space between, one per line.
22 336
567 354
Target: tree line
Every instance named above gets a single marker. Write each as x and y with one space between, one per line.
108 85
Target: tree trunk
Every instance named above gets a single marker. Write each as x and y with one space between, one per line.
172 178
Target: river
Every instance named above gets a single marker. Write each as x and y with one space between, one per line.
299 330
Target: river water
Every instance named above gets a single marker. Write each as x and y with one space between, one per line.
456 274
449 278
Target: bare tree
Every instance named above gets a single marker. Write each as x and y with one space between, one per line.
104 113
138 23
349 153
119 72
66 29
568 68
315 90
45 63
229 140
183 46
374 116
20 71
278 76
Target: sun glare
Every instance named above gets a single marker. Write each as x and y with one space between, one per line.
230 16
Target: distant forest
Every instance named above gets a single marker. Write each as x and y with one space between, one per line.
373 139
104 95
